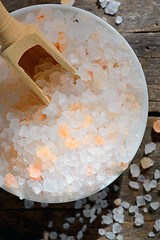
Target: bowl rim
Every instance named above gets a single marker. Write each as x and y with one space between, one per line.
33 8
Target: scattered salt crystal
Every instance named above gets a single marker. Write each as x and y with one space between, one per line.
149 148
116 228
146 185
140 200
110 235
145 210
44 205
92 219
103 194
151 234
53 235
112 7
107 219
80 235
101 232
66 225
67 2
125 205
154 205
87 213
118 20
104 203
50 224
117 202
115 188
78 215
28 204
148 198
134 170
141 178
84 228
139 219
70 219
157 174
134 185
119 237
157 225
46 235
63 236
81 220
133 209
146 162
153 184
78 204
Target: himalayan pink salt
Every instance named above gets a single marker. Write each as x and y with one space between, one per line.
146 162
10 181
156 126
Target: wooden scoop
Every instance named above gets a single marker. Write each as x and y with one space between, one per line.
23 45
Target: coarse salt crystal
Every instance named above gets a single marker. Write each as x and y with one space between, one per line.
110 235
134 170
112 7
149 148
146 162
154 205
118 20
140 200
134 185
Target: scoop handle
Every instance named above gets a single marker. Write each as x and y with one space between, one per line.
10 29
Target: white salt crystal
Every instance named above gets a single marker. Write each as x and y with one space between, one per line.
149 148
107 219
66 225
78 215
101 232
28 204
145 210
153 184
80 235
103 194
146 185
81 220
110 235
78 204
141 178
118 20
104 203
112 7
133 209
116 228
148 198
70 219
154 205
84 228
44 205
157 174
115 188
157 225
53 235
87 213
103 3
140 201
134 185
151 234
49 185
134 170
92 219
119 237
72 58
139 219
146 162
50 224
37 188
125 205
21 181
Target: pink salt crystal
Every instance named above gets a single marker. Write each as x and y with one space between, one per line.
146 162
10 181
67 2
117 202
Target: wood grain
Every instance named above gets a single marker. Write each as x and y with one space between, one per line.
141 28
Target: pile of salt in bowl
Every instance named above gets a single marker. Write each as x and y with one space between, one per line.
87 134
113 210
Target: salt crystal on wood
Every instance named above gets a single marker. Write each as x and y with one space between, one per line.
146 162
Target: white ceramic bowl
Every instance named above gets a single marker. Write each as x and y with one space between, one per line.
20 15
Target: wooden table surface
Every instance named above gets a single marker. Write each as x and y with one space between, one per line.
141 28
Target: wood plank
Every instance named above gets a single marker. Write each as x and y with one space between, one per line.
137 16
